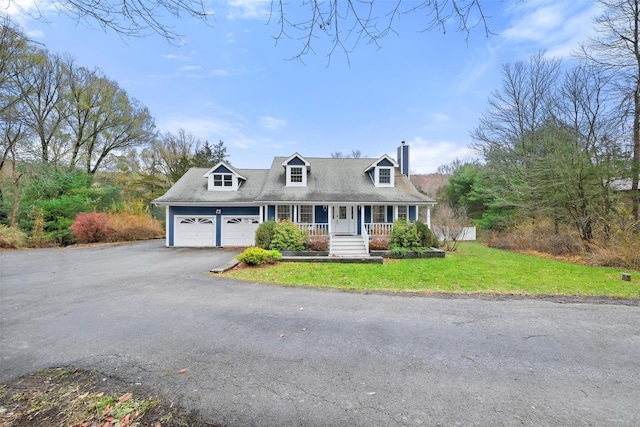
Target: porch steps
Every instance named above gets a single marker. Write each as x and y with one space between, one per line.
347 246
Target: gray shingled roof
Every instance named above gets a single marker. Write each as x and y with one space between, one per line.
329 180
338 180
192 188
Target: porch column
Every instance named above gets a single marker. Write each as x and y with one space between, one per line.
166 225
417 213
261 213
330 212
395 213
429 216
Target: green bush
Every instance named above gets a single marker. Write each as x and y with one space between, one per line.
288 237
427 238
404 235
264 234
11 237
257 256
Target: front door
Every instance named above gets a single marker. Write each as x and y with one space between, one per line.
344 219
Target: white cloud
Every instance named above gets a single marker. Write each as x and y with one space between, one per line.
557 26
272 123
425 156
249 9
190 68
23 11
171 56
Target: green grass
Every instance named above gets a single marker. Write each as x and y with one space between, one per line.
474 268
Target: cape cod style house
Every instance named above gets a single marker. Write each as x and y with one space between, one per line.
347 199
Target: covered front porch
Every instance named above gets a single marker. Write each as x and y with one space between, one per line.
348 226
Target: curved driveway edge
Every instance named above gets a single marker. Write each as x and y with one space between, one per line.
271 356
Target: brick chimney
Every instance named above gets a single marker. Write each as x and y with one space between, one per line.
403 158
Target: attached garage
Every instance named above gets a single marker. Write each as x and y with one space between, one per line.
194 231
239 230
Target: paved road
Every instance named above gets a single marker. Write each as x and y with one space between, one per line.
273 356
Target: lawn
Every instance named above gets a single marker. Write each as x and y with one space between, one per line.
474 268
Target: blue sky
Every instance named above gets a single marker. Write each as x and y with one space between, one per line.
229 80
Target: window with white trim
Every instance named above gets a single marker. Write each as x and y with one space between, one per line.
296 174
222 180
378 214
385 176
306 214
402 213
283 212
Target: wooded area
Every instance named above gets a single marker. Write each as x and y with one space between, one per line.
559 148
72 141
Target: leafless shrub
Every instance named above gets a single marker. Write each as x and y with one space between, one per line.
379 243
538 236
318 243
448 225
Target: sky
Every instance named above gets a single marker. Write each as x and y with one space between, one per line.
230 80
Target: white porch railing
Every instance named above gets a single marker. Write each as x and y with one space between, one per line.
314 229
371 229
378 228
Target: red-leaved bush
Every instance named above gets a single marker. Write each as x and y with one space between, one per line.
92 227
95 227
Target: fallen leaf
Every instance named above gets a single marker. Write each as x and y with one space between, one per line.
82 396
281 335
100 394
304 329
125 397
106 409
182 371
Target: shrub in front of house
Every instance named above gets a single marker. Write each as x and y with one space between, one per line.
379 243
264 234
288 237
427 238
318 243
11 237
404 236
257 256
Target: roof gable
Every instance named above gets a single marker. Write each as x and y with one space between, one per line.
295 160
223 167
383 161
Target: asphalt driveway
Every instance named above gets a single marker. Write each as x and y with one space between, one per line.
264 355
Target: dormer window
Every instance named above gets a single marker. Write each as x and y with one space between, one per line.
222 180
382 172
384 176
296 171
222 177
296 174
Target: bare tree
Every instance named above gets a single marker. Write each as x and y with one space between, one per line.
40 88
448 225
355 154
344 24
170 155
616 48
